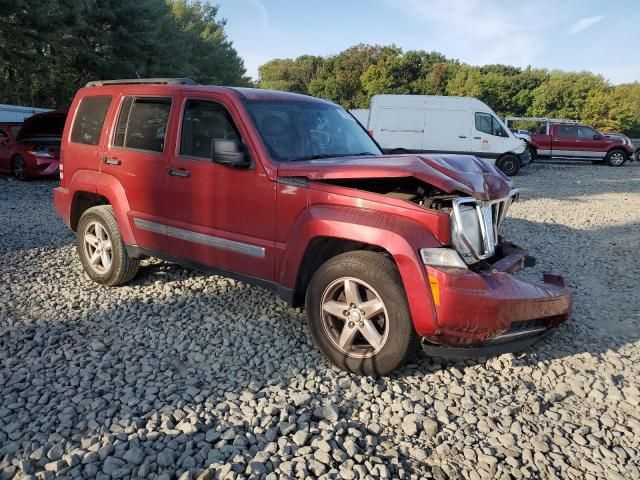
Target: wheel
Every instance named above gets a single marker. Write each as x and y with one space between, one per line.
19 169
638 155
509 164
615 158
358 315
101 248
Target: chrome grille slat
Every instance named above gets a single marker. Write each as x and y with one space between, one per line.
490 215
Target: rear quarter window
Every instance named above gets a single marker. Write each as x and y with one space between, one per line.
87 126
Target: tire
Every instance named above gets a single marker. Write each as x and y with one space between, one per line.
340 337
19 169
509 164
616 158
534 155
637 155
111 269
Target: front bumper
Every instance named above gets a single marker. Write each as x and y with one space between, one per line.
492 309
525 157
43 167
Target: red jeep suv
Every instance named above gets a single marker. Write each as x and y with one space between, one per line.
288 192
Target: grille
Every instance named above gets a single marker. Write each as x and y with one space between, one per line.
477 239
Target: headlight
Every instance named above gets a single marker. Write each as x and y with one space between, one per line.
441 257
40 153
466 233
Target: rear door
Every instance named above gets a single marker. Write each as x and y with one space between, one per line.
399 128
447 131
564 143
137 157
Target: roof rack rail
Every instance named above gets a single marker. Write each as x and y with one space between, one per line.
539 119
137 81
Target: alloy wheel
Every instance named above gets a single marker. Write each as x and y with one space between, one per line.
617 158
98 248
19 169
354 317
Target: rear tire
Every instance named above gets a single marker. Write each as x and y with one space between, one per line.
509 164
19 169
101 249
358 314
616 158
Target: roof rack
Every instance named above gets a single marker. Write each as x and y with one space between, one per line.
137 81
539 119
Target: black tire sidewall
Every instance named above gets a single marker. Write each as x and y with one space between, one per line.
13 168
613 152
401 339
504 160
99 214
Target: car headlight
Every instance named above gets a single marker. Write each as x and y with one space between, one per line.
441 257
40 153
466 233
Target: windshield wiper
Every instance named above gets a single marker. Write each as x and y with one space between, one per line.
334 155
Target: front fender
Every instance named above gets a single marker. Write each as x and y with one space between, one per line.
400 236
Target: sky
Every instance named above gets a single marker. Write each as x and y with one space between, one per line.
569 35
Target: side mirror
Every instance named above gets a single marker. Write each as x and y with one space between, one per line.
230 153
597 136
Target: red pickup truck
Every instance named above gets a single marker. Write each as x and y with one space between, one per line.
579 142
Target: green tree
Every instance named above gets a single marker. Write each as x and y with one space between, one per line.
289 75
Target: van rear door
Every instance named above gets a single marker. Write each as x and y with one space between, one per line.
447 131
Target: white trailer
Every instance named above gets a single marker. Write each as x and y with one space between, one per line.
15 113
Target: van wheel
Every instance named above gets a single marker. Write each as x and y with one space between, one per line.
509 164
101 248
358 314
616 158
19 169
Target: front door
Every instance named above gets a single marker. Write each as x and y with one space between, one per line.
489 137
137 157
218 216
590 143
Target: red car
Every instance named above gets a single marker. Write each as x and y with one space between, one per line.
32 149
289 192
580 142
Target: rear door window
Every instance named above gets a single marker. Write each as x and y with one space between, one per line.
142 123
567 131
87 126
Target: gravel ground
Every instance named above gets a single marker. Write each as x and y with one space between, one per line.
183 375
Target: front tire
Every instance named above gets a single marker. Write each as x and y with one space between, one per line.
19 169
358 314
616 158
509 164
101 249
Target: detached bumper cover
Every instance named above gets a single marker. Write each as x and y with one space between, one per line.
487 308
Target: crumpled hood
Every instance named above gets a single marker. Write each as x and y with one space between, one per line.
450 173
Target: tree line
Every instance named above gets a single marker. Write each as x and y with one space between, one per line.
354 75
50 48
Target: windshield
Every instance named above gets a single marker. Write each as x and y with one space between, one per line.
304 130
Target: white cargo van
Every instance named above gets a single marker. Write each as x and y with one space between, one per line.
432 124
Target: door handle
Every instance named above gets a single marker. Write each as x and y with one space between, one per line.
178 172
477 138
462 136
111 161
